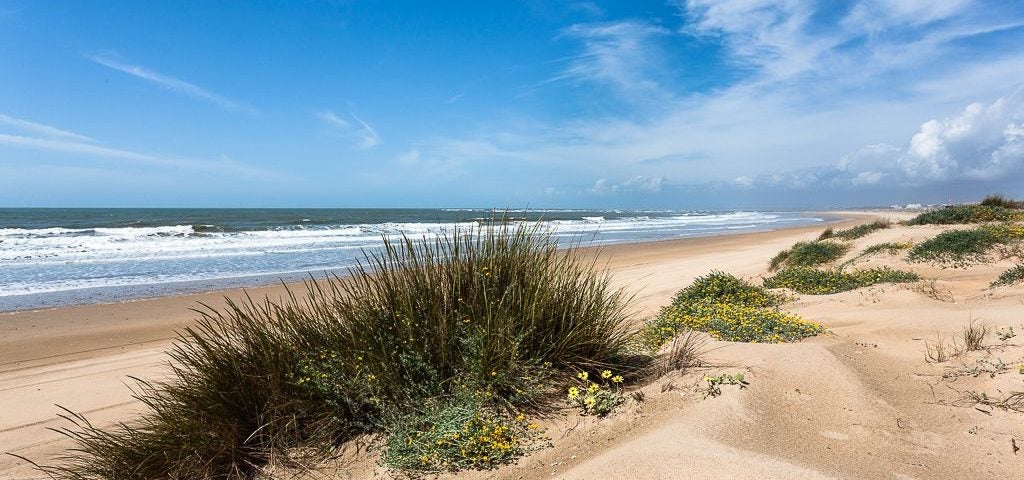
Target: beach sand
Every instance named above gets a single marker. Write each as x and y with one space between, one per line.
858 403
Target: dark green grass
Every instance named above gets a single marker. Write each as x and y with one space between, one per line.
1011 276
814 281
806 254
858 231
963 247
482 317
1003 201
888 247
961 214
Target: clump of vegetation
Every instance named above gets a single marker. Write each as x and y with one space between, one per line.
958 214
422 337
1010 276
1002 201
827 234
807 254
970 339
858 231
963 247
891 248
596 396
714 387
458 437
814 281
727 308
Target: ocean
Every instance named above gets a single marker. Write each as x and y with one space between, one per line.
56 257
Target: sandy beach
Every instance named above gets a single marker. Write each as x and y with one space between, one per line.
860 402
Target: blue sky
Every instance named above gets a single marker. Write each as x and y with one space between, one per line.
689 104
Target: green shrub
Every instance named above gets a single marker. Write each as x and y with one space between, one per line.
495 312
726 308
721 287
958 214
827 234
854 233
998 200
888 247
456 437
814 281
1010 276
806 254
963 247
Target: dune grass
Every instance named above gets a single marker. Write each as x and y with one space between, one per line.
856 232
806 254
962 214
891 248
814 281
727 308
1011 276
964 247
998 200
475 326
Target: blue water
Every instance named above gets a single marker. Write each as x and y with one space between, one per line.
55 257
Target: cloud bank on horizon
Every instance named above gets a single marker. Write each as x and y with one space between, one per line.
685 104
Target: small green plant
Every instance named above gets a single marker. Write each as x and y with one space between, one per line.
726 308
891 248
804 254
814 281
458 437
854 233
964 247
714 384
958 214
1010 276
1003 201
827 234
598 396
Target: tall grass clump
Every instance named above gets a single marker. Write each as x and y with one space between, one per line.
960 214
1003 201
963 247
806 254
813 281
858 231
471 327
1011 276
727 308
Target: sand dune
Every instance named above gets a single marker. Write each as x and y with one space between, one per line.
861 402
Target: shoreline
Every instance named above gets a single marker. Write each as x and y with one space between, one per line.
291 278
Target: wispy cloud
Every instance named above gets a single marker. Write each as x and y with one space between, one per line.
620 54
223 164
173 84
363 133
41 129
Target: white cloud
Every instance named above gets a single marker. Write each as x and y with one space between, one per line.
173 84
222 165
634 184
354 127
40 129
619 54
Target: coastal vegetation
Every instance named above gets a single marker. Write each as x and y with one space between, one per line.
992 209
1010 276
964 247
891 248
856 232
806 254
813 281
727 308
441 347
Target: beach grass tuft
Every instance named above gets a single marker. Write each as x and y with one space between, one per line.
815 281
727 308
1010 276
964 247
961 214
807 254
473 328
998 200
859 231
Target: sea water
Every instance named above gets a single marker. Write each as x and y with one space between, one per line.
54 257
